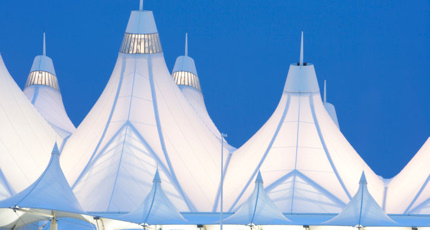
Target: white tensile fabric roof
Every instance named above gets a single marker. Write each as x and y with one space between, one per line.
142 121
26 139
48 100
409 191
258 209
144 125
308 164
362 210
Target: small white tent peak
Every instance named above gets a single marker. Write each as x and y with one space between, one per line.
308 164
362 210
25 136
50 192
142 120
330 107
258 209
156 208
43 91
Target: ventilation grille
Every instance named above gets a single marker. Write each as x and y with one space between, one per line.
186 78
141 44
42 78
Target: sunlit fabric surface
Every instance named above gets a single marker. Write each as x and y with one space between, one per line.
308 164
51 191
409 191
258 209
156 208
142 120
24 134
362 210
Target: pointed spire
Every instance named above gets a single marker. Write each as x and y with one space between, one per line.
301 51
325 93
55 149
259 179
363 179
44 45
186 44
141 5
156 177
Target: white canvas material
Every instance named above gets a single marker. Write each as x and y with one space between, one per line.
50 192
156 208
258 209
26 139
48 101
142 121
362 210
308 164
409 191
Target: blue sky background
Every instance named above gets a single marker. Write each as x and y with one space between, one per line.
375 56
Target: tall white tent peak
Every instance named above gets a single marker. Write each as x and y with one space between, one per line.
141 22
186 44
259 179
141 5
157 178
44 45
301 50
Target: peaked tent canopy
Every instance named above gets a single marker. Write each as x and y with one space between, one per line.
258 209
308 164
156 208
362 210
24 134
142 120
409 191
51 191
43 90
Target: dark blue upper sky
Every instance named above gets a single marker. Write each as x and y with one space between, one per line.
375 56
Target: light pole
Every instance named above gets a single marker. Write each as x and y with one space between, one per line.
223 135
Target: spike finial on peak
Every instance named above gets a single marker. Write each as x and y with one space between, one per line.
44 45
301 50
325 92
186 44
140 5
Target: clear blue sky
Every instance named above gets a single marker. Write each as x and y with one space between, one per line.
375 56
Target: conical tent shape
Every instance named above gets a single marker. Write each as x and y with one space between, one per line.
26 139
156 208
142 120
362 210
51 191
409 191
308 164
258 209
43 90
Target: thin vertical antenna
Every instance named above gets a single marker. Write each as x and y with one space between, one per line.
301 51
44 45
141 5
325 92
186 44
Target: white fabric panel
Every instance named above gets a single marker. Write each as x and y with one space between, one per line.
185 63
49 103
303 153
156 208
141 22
258 209
140 121
43 63
362 210
51 191
332 112
24 134
409 191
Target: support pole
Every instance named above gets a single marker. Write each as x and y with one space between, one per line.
53 222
